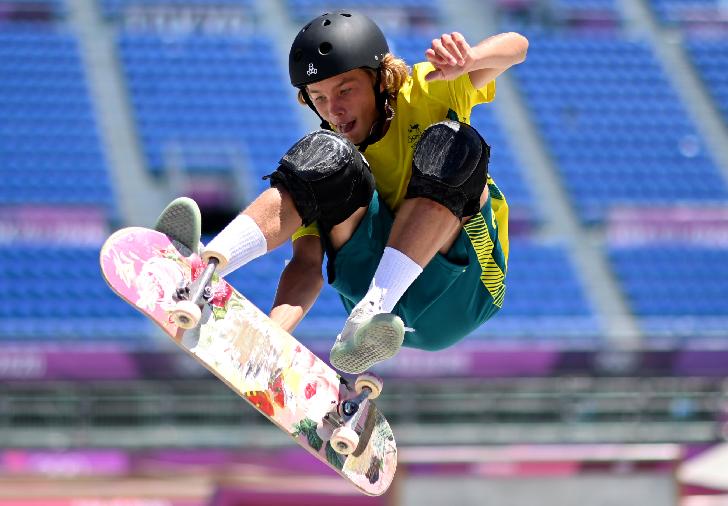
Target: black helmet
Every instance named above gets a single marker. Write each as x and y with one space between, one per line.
335 43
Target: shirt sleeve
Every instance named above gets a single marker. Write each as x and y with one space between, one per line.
465 96
457 94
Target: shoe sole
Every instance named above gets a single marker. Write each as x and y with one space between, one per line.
181 221
374 342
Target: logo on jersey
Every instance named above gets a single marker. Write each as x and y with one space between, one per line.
413 133
311 70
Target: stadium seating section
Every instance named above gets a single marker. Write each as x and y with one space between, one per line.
614 126
545 300
55 294
673 288
710 57
49 142
198 93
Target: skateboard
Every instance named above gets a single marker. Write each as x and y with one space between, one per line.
334 420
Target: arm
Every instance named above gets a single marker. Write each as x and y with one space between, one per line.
300 283
452 56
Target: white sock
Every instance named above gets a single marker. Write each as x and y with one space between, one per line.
394 275
241 241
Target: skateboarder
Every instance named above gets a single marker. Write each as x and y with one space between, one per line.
394 190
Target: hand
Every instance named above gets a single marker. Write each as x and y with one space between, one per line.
451 55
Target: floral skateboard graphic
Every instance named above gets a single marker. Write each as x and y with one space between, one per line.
335 421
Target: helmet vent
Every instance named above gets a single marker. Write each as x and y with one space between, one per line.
305 27
325 48
345 14
326 22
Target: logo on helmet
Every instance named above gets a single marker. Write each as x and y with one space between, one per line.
311 70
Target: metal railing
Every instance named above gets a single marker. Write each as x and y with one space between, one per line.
456 411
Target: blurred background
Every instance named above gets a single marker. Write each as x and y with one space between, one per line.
601 382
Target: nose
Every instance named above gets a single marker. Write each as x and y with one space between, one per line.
336 107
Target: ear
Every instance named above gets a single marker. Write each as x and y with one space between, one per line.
300 97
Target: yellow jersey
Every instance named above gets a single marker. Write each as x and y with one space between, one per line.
419 104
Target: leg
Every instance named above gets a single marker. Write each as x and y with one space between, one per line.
423 227
368 336
275 214
447 186
472 275
321 179
341 233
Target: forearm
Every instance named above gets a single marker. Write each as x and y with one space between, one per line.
298 289
496 54
500 51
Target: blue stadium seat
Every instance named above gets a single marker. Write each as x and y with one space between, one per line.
710 57
50 151
56 294
544 298
668 285
207 95
616 129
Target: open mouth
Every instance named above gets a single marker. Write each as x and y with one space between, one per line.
345 128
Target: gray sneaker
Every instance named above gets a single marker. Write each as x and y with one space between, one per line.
366 339
182 222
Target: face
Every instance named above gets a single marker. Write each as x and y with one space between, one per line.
346 102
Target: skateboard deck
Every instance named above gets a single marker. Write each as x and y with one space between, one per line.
250 353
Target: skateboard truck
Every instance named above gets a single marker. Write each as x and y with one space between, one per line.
187 311
338 425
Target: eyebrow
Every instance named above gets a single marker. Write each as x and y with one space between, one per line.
342 83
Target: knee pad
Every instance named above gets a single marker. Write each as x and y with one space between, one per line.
450 166
327 177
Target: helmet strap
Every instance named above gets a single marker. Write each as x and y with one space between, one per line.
385 114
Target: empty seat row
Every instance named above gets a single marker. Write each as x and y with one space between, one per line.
56 294
710 60
170 111
581 140
50 149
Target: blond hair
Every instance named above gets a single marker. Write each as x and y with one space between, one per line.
394 74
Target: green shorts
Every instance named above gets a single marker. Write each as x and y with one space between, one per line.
451 298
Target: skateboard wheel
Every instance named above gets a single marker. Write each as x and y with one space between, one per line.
371 381
325 430
222 259
186 314
344 440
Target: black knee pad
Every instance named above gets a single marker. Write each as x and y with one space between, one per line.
450 166
327 177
